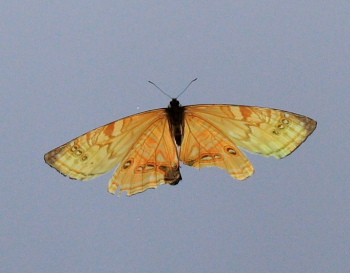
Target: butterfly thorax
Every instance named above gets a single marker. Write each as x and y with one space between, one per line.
175 114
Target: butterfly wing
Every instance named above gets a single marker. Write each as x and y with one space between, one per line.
151 161
213 132
134 138
205 145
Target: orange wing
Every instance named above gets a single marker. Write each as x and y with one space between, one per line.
141 144
213 132
150 162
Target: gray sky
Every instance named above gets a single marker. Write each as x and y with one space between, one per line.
68 67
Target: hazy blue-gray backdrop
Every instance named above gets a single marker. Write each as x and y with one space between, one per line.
67 68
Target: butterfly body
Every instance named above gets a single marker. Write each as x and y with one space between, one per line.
175 115
148 147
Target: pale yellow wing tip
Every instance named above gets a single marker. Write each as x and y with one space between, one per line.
310 127
113 189
243 175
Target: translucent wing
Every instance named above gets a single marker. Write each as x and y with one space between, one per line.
150 162
204 145
213 132
140 142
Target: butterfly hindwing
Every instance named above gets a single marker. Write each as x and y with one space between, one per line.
151 161
205 145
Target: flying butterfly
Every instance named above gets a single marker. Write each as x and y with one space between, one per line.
148 147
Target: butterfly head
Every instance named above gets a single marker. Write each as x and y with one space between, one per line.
174 103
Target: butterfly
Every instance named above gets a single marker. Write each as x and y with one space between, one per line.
148 147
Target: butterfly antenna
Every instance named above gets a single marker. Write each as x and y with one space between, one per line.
159 89
186 87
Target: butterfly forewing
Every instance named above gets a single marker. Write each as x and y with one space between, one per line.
102 149
265 131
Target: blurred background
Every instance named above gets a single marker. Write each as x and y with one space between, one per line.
69 67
